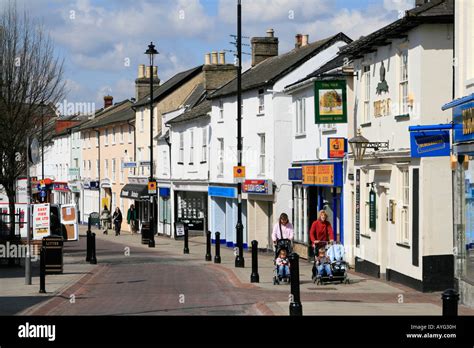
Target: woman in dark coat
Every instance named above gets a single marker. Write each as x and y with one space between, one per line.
117 220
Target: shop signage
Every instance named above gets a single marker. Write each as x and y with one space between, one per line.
337 147
164 191
219 191
463 117
319 175
129 164
330 102
295 174
382 107
372 210
239 172
74 171
430 144
144 163
259 187
41 221
60 186
357 206
94 185
180 229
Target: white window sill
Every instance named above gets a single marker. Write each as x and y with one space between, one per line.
327 130
302 135
261 114
220 121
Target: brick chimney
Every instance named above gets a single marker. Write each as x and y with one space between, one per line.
264 47
108 101
142 83
298 40
217 73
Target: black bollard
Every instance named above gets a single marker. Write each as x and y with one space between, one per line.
93 260
217 257
450 303
296 309
254 277
186 246
88 252
208 246
42 289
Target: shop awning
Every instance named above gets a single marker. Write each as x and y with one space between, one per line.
135 191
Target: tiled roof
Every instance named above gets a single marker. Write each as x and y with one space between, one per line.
272 69
201 110
436 11
119 112
170 85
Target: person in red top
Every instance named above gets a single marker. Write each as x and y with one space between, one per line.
321 232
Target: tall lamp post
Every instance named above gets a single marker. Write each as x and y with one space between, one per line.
151 52
360 144
239 258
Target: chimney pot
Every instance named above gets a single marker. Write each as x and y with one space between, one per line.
141 71
270 33
155 71
207 59
264 47
298 40
214 58
222 58
305 40
148 72
108 101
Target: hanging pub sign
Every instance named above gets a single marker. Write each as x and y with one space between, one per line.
330 102
337 147
430 144
372 210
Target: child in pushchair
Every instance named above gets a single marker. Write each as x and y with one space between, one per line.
282 265
330 264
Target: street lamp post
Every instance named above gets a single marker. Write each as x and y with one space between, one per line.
360 144
151 52
239 259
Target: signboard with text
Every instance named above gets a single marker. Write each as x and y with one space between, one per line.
41 221
430 144
337 147
319 175
330 102
259 187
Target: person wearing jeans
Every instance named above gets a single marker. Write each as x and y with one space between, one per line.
323 264
283 264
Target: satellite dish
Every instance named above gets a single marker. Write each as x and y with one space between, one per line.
34 151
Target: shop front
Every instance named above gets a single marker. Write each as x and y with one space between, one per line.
90 200
223 214
463 196
61 192
259 216
137 191
191 209
106 195
316 186
165 225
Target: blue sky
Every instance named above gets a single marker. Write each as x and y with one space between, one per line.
103 41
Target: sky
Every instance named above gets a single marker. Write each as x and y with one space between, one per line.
102 42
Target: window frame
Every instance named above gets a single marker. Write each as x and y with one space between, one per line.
403 84
204 145
262 154
191 147
181 149
220 155
366 90
261 101
405 205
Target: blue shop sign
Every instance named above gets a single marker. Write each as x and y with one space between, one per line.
164 192
219 191
463 118
430 144
295 174
94 185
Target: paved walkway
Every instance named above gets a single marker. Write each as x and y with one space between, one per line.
133 279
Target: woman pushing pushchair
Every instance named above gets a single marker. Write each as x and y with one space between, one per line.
282 236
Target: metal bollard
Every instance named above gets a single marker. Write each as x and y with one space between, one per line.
208 246
450 303
186 246
151 241
42 289
296 309
93 260
254 277
217 257
88 252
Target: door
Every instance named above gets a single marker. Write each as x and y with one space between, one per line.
69 220
382 229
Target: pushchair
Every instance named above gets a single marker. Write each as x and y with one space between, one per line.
338 265
282 244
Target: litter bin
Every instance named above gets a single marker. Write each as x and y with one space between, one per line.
146 233
53 246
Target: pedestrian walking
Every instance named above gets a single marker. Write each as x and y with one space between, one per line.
132 219
321 232
117 221
283 229
105 218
